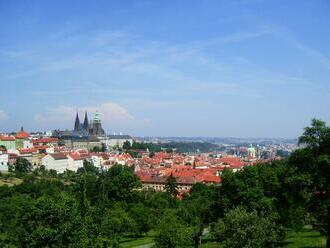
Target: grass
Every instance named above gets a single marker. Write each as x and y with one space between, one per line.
131 242
210 245
307 238
10 181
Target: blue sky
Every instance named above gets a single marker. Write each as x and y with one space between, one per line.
242 68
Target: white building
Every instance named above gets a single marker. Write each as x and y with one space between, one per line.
56 161
75 162
27 144
97 162
116 140
4 160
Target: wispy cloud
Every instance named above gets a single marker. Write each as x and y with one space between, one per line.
3 115
112 114
313 53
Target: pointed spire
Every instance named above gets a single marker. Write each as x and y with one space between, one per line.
86 123
77 123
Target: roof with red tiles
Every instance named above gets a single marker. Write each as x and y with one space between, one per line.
7 138
45 140
22 135
58 156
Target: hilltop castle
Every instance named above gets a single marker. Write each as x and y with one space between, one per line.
91 128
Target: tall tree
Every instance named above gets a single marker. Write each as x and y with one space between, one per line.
314 160
240 228
171 186
22 165
170 233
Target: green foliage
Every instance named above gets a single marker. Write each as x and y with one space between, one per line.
182 147
88 167
171 233
127 145
317 136
240 228
134 154
144 146
98 149
44 222
120 183
304 238
171 186
142 217
22 165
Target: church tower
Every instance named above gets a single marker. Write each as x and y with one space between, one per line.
77 123
96 128
86 123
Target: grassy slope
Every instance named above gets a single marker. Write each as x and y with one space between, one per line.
10 181
136 242
306 238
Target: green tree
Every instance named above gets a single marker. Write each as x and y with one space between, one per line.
120 183
115 224
171 186
317 136
127 145
197 210
88 167
48 221
314 161
240 228
170 233
22 165
142 217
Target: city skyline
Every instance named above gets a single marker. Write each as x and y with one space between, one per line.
208 68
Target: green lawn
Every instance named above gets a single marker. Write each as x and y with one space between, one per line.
11 181
129 242
307 238
210 245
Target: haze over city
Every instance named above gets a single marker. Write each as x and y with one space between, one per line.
166 68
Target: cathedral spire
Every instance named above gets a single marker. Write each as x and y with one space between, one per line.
77 123
86 123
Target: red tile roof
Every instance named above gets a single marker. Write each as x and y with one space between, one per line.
7 138
28 150
58 156
22 135
45 140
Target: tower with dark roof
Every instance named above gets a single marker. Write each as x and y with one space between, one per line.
96 127
86 123
77 123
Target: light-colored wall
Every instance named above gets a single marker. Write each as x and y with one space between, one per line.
4 162
74 165
9 144
96 161
116 142
51 164
78 145
27 144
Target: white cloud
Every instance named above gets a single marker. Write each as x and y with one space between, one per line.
3 115
114 117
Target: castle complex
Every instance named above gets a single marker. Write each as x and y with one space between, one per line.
92 128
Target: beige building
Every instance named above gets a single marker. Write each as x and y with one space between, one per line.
116 140
56 161
85 144
75 162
